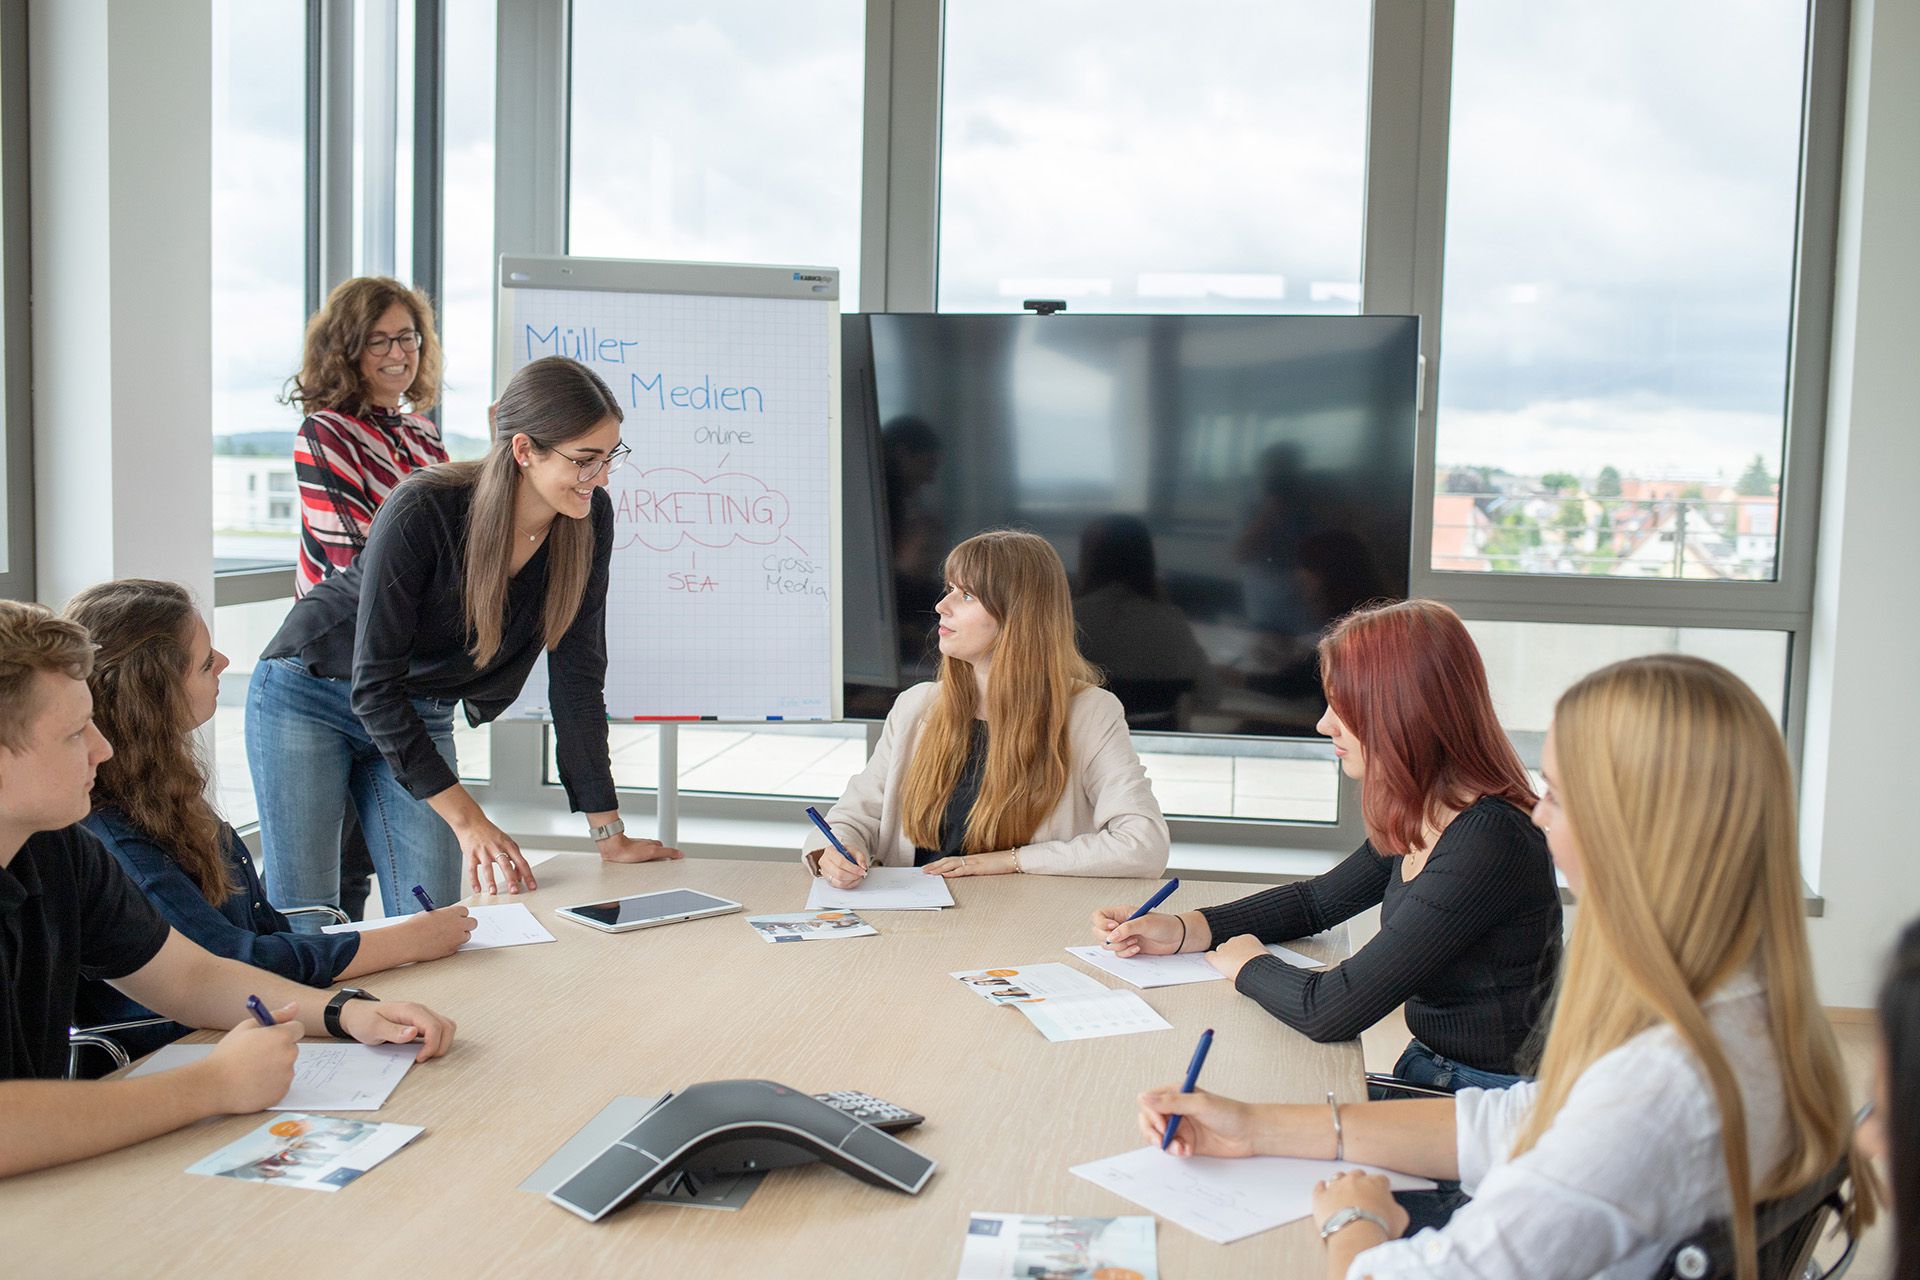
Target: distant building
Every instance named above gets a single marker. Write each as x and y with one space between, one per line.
1459 533
255 495
1756 533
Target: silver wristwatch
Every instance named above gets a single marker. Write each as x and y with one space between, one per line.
1344 1218
608 832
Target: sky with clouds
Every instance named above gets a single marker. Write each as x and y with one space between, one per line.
1621 196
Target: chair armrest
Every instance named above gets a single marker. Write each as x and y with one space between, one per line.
339 916
101 1038
1378 1080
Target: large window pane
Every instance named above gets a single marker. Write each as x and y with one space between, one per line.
1530 664
1192 776
718 132
259 273
1621 196
1128 155
240 631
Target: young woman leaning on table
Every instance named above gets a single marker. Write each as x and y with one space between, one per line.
471 570
1469 912
155 680
1689 1070
1014 759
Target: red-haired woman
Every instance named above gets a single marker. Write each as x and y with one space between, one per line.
1469 911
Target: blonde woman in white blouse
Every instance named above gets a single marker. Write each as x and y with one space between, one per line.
1014 760
1689 1071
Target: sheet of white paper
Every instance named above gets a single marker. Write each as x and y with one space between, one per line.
1111 1013
326 1077
884 889
1223 1200
508 925
1173 971
1020 984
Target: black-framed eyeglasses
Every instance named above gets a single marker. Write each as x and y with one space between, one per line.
591 467
408 340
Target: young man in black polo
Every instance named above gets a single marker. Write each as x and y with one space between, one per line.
66 909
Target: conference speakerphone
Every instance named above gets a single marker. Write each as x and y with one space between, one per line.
745 1126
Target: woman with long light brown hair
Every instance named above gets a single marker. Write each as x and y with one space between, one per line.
1689 1071
1014 760
471 570
155 681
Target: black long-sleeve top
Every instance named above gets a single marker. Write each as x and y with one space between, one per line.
395 621
1470 945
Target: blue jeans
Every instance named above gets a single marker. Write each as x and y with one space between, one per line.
311 757
1421 1065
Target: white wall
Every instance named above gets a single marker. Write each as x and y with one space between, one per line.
121 139
1863 713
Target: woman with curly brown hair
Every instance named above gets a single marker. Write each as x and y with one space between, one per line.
155 677
370 350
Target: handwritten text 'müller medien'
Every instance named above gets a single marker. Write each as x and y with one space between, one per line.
589 345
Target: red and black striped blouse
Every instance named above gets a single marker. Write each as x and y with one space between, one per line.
346 466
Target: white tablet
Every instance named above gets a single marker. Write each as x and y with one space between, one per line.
643 911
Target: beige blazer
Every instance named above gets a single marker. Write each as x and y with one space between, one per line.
1107 822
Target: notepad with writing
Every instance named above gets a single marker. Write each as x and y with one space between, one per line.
326 1077
883 889
1173 971
507 924
1223 1200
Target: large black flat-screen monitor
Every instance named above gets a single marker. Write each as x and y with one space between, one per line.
1221 489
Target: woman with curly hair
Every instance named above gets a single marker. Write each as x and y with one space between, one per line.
370 350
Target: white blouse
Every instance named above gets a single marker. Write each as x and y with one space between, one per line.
1630 1167
1106 822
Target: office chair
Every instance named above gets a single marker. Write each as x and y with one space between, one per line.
1786 1230
101 1037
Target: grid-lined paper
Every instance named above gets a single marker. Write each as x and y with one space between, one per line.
719 600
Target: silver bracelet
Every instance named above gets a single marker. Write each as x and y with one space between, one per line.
1339 1138
1344 1218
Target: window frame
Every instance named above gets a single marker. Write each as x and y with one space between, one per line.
330 92
17 578
1403 247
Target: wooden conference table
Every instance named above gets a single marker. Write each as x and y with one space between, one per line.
548 1034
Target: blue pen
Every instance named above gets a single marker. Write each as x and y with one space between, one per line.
1166 890
426 903
832 839
259 1010
1193 1074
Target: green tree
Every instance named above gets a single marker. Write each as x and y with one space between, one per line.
1560 482
1756 481
1515 533
1608 483
1572 517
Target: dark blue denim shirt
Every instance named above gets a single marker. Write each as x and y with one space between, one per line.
245 927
